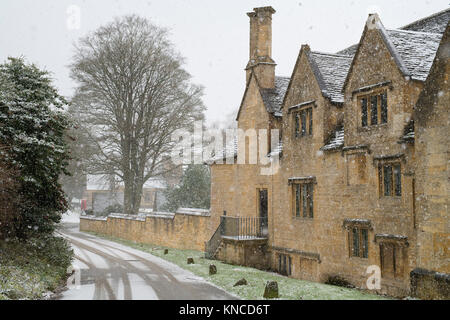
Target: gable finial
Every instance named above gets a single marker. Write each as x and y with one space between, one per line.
373 21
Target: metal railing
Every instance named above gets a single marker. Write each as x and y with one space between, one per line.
214 243
244 227
240 228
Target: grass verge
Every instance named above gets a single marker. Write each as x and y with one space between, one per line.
227 275
31 268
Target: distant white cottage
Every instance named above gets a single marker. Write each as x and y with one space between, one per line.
104 191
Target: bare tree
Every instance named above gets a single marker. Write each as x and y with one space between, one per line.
133 94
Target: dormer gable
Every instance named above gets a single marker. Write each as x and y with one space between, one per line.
329 71
413 52
272 98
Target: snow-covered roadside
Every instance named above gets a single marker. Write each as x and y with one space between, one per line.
71 216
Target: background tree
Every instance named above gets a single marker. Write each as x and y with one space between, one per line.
81 150
194 190
32 130
133 94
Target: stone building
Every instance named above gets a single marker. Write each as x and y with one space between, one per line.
363 161
101 193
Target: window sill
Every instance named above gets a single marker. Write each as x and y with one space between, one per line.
309 136
303 218
372 127
391 198
359 258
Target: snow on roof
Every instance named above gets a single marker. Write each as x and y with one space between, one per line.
299 105
336 142
416 49
333 69
273 98
350 51
408 133
435 23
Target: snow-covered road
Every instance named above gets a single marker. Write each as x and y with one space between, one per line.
110 271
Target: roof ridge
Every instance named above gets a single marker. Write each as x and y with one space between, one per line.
425 18
285 77
416 32
337 55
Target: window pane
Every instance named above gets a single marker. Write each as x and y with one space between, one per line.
380 180
355 242
310 198
373 110
304 200
310 121
364 112
279 263
387 172
384 115
297 125
398 180
303 116
297 200
365 242
290 267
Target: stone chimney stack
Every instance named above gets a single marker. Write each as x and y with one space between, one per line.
261 47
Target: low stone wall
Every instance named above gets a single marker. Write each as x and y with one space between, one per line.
430 285
186 229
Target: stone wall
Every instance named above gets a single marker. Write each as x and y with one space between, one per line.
430 285
251 253
186 229
431 279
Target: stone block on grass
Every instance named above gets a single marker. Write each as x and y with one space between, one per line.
241 282
212 269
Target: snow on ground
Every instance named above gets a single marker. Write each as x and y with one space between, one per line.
71 216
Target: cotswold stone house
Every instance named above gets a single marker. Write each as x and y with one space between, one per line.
363 178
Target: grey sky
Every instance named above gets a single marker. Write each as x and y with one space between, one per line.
212 35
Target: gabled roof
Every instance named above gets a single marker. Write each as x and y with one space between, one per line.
330 71
333 70
435 23
412 51
272 98
416 49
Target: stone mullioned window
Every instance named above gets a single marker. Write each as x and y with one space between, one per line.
303 122
374 108
359 242
303 200
390 179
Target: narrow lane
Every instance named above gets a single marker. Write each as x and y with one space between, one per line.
110 271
